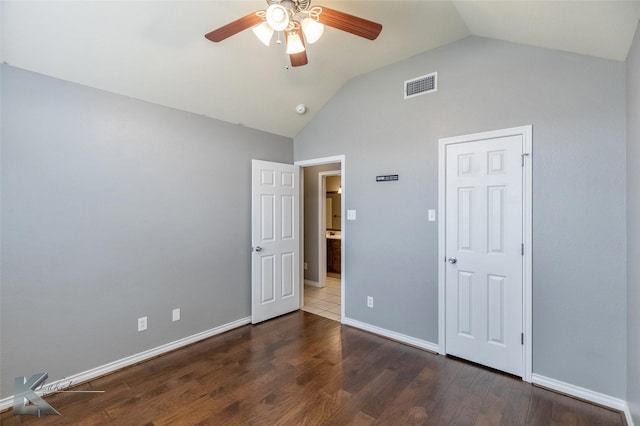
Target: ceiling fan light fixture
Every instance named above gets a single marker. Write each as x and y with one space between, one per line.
312 29
278 17
297 23
294 44
264 32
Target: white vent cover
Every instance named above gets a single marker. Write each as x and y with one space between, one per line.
421 85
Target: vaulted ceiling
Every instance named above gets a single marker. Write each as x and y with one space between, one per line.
156 50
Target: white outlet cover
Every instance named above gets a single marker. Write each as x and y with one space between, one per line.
175 315
351 215
142 324
432 215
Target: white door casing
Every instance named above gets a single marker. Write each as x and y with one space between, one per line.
485 249
275 243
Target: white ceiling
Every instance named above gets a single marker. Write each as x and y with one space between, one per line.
156 50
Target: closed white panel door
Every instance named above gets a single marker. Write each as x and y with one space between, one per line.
275 240
483 246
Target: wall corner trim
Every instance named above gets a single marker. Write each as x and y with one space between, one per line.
627 414
399 337
85 376
584 394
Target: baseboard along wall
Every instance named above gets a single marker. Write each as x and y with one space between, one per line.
536 379
85 376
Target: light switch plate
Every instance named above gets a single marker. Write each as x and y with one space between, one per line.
432 215
351 215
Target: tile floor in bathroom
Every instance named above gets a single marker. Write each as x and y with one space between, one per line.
324 301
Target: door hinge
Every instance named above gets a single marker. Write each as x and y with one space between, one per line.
522 249
522 338
522 157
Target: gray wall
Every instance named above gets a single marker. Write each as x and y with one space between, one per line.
114 209
576 105
311 231
633 228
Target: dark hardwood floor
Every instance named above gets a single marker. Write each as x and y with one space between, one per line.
303 369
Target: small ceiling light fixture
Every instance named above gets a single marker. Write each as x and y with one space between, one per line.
277 17
264 32
294 43
301 109
312 29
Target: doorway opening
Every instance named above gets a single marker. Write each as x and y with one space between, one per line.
323 237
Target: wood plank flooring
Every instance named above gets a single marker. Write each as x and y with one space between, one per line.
303 369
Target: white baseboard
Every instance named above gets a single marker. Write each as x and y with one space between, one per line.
546 382
583 393
312 283
85 376
402 338
627 414
566 388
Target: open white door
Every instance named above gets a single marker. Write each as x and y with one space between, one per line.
275 234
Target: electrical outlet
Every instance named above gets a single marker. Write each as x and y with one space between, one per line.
142 324
369 302
432 215
306 266
175 314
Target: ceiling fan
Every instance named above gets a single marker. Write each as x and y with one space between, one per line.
299 21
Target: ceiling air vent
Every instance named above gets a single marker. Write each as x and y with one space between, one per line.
421 85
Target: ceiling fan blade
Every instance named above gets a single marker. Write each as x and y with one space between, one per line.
234 27
349 23
299 59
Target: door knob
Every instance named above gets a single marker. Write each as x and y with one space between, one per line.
452 260
258 248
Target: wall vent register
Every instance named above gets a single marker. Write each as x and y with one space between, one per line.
421 85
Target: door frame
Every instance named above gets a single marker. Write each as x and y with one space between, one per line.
526 133
318 162
322 236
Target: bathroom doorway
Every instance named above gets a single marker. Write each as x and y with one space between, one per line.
323 237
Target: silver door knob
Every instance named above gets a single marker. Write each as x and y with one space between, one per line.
452 260
258 248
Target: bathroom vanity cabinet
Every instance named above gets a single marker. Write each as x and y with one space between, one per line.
334 255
